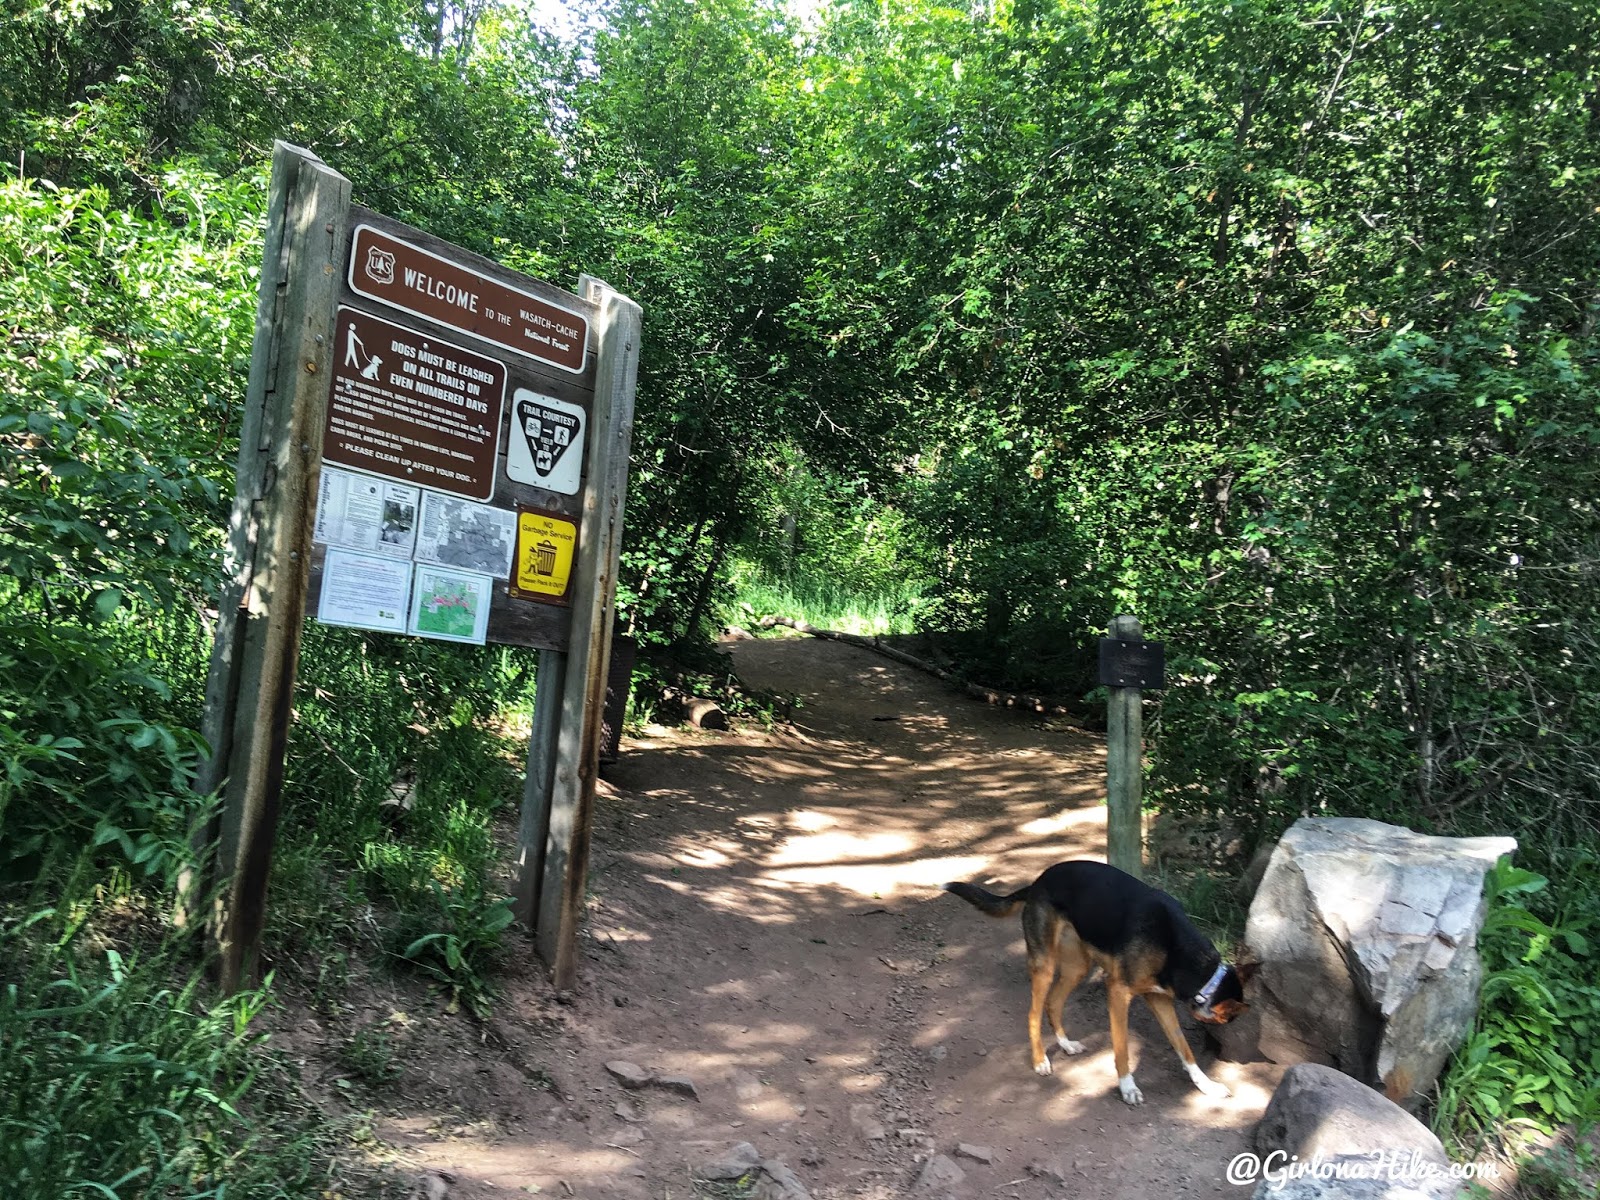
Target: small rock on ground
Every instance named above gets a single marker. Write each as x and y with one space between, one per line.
681 1084
740 1160
772 1179
867 1123
940 1172
746 1086
1048 1170
629 1075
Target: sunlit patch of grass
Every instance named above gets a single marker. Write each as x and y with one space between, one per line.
821 602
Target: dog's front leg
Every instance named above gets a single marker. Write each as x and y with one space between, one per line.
1118 994
1167 1016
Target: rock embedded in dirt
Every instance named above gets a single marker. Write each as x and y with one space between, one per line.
940 1172
981 1154
770 1178
682 1085
866 1122
1367 937
1320 1112
629 1075
746 1086
1048 1170
432 1186
740 1160
778 1182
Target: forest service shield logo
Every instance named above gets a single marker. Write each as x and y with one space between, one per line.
380 265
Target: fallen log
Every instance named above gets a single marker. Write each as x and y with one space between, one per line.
698 711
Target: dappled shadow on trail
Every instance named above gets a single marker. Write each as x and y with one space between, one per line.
765 917
779 895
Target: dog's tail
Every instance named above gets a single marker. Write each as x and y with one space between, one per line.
988 902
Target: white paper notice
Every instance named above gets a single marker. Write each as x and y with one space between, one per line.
364 591
399 533
366 513
460 533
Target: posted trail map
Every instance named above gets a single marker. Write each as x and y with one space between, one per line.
473 537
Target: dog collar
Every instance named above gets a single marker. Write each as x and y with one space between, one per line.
1203 996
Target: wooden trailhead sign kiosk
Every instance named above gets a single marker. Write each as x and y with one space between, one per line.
433 446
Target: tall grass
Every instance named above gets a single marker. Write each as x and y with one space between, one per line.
120 1078
757 592
398 766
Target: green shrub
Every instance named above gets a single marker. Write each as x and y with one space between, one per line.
463 944
117 1077
1532 1063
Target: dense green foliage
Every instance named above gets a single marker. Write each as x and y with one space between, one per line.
107 1077
1533 1062
1273 324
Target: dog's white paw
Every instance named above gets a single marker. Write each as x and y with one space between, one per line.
1130 1090
1217 1091
1042 1067
1068 1045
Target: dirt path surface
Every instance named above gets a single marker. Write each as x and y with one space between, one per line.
765 921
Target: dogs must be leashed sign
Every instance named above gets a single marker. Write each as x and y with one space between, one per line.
413 408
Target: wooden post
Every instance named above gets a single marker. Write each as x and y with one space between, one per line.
561 890
257 647
1124 765
549 688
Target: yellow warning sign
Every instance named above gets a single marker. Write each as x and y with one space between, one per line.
545 545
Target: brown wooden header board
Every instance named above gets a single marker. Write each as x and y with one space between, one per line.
413 408
397 273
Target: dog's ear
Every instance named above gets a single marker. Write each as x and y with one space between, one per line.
1246 971
1229 1010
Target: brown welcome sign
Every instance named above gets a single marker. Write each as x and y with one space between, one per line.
407 277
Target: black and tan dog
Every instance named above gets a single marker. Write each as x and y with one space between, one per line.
1079 915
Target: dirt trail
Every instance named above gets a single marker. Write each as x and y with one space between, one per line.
766 920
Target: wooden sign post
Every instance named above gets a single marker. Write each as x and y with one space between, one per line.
433 445
257 646
1128 665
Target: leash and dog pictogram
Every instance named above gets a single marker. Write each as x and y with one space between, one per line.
546 447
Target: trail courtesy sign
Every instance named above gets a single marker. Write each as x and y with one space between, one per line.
546 443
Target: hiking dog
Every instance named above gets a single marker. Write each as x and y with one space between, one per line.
1079 915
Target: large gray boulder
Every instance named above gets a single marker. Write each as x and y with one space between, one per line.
1354 1177
1367 938
1325 1136
1320 1112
